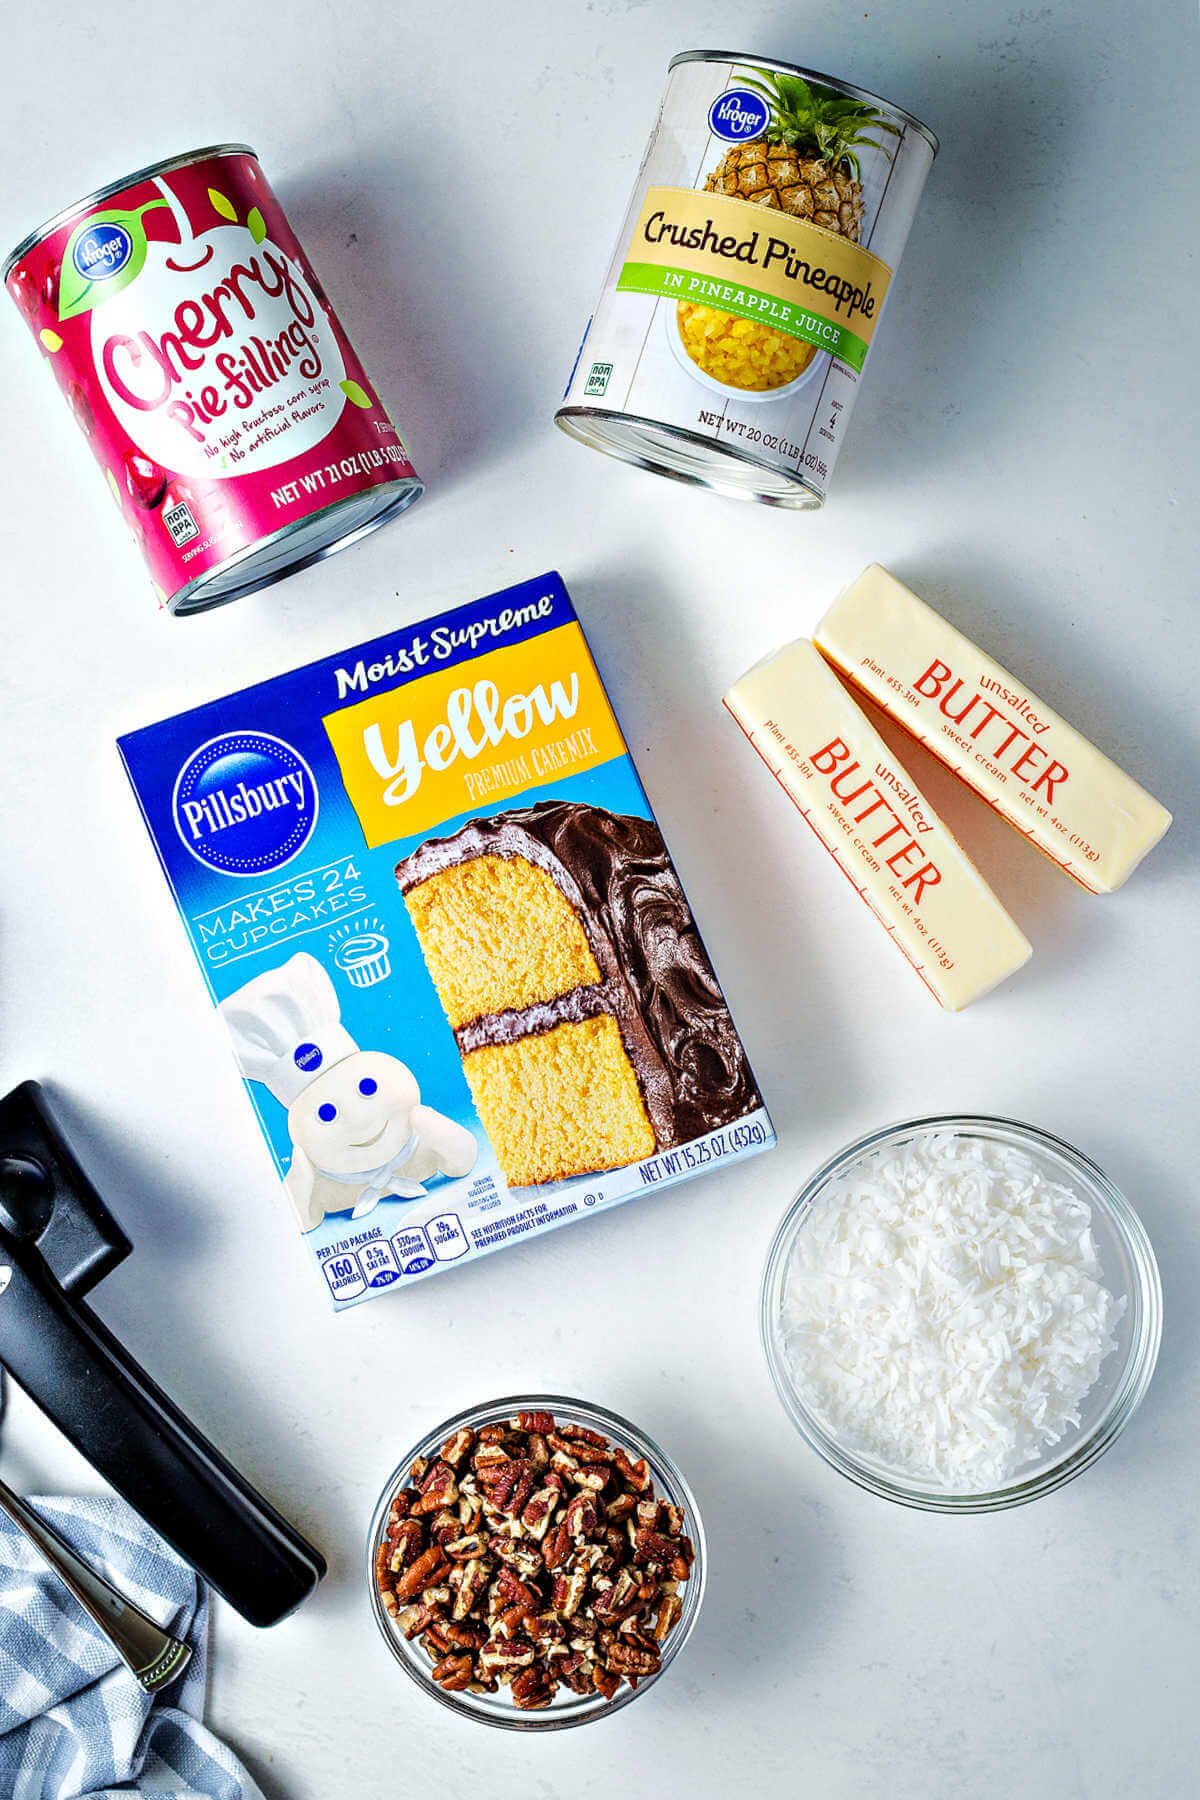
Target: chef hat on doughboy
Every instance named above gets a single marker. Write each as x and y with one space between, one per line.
286 1027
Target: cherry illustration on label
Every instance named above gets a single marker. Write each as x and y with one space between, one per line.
50 285
178 493
81 406
145 481
24 291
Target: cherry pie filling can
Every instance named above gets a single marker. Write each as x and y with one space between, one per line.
239 433
738 310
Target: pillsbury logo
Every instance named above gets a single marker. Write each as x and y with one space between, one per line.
245 803
307 1057
738 115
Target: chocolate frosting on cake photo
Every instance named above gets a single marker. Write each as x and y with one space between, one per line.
591 1026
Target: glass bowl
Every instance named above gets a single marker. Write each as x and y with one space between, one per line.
1128 1270
567 1708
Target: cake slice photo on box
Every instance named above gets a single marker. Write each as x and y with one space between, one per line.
590 1024
462 982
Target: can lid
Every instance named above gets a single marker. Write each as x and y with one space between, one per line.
747 58
167 166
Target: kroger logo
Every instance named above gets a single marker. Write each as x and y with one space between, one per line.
245 803
101 251
738 115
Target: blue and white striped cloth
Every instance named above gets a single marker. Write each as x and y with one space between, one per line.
73 1720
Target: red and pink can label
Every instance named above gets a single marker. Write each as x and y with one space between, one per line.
238 431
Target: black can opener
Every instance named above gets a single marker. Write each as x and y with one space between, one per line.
57 1240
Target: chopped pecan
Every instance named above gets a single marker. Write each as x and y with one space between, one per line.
578 1451
443 1525
428 1568
470 1509
501 1654
510 1591
529 1422
625 1659
538 1513
619 1599
438 1489
568 1591
595 1476
456 1449
524 1558
532 1689
605 1681
489 1461
405 1544
575 1674
464 1549
580 1518
557 1547
653 1547
546 1629
616 1543
417 1619
453 1673
582 1434
472 1585
635 1472
513 1486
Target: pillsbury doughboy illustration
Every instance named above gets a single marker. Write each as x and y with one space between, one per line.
358 1128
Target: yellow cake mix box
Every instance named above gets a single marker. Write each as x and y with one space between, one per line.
462 981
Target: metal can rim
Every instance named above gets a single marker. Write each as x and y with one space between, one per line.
165 166
833 81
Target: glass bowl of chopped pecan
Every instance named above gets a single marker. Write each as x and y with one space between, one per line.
536 1562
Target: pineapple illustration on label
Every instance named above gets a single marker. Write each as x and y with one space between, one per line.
711 309
805 165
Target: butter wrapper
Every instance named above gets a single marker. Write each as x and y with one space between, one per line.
867 810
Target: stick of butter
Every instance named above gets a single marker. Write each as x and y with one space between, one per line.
866 809
1037 771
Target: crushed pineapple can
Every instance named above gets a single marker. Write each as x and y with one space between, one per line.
240 435
737 314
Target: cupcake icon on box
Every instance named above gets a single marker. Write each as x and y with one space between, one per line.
361 953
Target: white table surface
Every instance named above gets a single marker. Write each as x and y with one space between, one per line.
1024 454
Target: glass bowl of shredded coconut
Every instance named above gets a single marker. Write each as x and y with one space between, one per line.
961 1314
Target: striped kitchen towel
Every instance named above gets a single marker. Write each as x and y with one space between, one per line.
73 1721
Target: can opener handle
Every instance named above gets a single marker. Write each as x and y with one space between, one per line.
57 1239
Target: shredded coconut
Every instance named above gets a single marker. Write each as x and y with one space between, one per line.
943 1310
